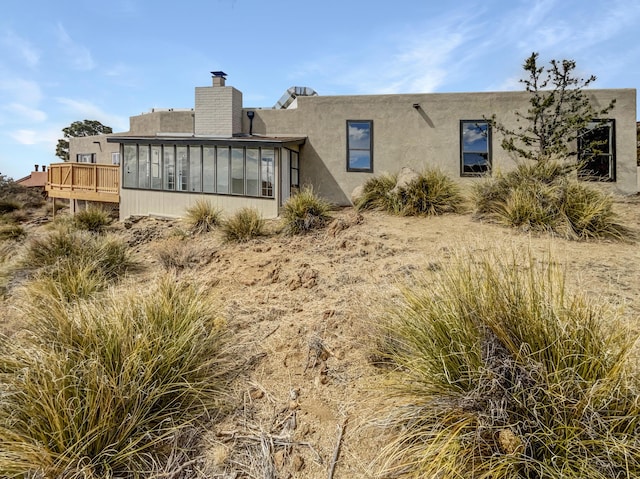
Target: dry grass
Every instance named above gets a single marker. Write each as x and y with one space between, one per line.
305 211
106 388
494 370
545 196
203 217
244 225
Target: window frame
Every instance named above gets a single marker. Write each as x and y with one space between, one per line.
170 165
611 177
369 169
488 152
81 157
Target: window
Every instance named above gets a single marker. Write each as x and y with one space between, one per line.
182 168
209 169
360 145
156 178
475 148
143 166
596 151
223 170
266 171
115 158
295 170
252 171
86 158
237 171
169 168
222 164
130 170
195 168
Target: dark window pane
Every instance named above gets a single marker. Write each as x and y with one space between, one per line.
596 145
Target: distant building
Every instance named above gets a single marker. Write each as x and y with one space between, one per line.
37 179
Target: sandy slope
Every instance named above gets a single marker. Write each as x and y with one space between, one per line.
301 310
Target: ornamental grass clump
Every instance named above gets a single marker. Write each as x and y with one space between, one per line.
492 369
93 218
106 389
376 193
545 196
305 211
203 217
244 225
110 255
429 193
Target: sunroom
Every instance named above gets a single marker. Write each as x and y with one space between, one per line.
164 176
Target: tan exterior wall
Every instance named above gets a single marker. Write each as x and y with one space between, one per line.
418 138
167 204
93 144
162 121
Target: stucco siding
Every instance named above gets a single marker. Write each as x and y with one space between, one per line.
428 136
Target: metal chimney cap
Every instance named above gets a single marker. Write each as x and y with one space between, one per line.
219 74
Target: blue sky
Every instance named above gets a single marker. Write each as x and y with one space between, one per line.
63 60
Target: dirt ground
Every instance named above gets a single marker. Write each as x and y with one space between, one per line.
301 309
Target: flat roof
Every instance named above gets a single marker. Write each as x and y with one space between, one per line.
210 140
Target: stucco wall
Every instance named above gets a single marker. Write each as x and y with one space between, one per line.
168 204
162 121
428 136
93 144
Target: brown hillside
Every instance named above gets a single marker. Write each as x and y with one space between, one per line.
302 308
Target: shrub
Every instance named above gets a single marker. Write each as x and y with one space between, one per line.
376 193
11 232
7 206
72 279
496 371
94 219
244 225
541 196
104 389
110 255
431 193
203 217
176 254
305 211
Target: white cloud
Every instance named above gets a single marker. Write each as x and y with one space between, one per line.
25 137
19 90
27 113
18 45
78 55
85 110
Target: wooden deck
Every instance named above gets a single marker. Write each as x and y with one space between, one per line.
84 181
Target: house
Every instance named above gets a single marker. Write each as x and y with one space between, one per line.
36 179
237 156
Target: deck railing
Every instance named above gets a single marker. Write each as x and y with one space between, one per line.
84 181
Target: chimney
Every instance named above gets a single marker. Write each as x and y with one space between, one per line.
219 78
37 166
44 168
